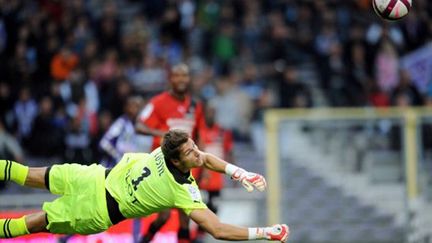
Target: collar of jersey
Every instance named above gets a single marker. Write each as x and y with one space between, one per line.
179 177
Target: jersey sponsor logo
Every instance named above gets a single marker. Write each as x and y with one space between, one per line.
194 193
146 112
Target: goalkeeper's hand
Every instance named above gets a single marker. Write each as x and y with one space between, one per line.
249 180
278 232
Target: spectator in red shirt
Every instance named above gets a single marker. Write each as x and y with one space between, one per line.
172 109
63 63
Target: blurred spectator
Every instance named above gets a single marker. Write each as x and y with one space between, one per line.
234 109
108 27
278 34
406 93
25 110
77 142
9 148
46 53
121 137
60 118
224 46
3 36
154 8
105 120
108 68
47 134
170 25
329 61
386 65
20 65
82 34
6 100
9 145
89 54
138 29
376 96
117 96
166 48
252 84
251 33
357 76
87 117
337 77
208 13
414 30
186 9
63 63
151 78
76 88
292 93
72 90
91 93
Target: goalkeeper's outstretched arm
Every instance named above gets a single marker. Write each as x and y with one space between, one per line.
210 223
249 180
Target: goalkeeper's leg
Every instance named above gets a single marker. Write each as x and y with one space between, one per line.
22 175
32 223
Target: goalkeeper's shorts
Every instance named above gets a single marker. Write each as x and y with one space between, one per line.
82 206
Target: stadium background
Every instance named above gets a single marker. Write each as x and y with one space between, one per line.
67 66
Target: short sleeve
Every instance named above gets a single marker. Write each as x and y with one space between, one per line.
189 198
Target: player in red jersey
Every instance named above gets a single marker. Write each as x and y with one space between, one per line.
216 140
172 109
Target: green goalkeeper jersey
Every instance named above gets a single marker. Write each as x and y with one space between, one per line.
143 184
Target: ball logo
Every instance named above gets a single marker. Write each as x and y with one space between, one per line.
391 9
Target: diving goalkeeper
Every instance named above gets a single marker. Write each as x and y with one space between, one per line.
93 198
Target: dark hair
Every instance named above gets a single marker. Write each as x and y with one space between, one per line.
171 143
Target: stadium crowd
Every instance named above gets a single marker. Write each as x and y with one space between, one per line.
68 66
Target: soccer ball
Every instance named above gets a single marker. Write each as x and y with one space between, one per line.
392 9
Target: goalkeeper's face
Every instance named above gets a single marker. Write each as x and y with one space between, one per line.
190 155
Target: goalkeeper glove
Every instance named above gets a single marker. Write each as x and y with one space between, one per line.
278 232
249 180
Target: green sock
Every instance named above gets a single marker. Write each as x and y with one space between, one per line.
10 228
13 171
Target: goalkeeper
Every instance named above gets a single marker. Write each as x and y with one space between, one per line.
93 198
